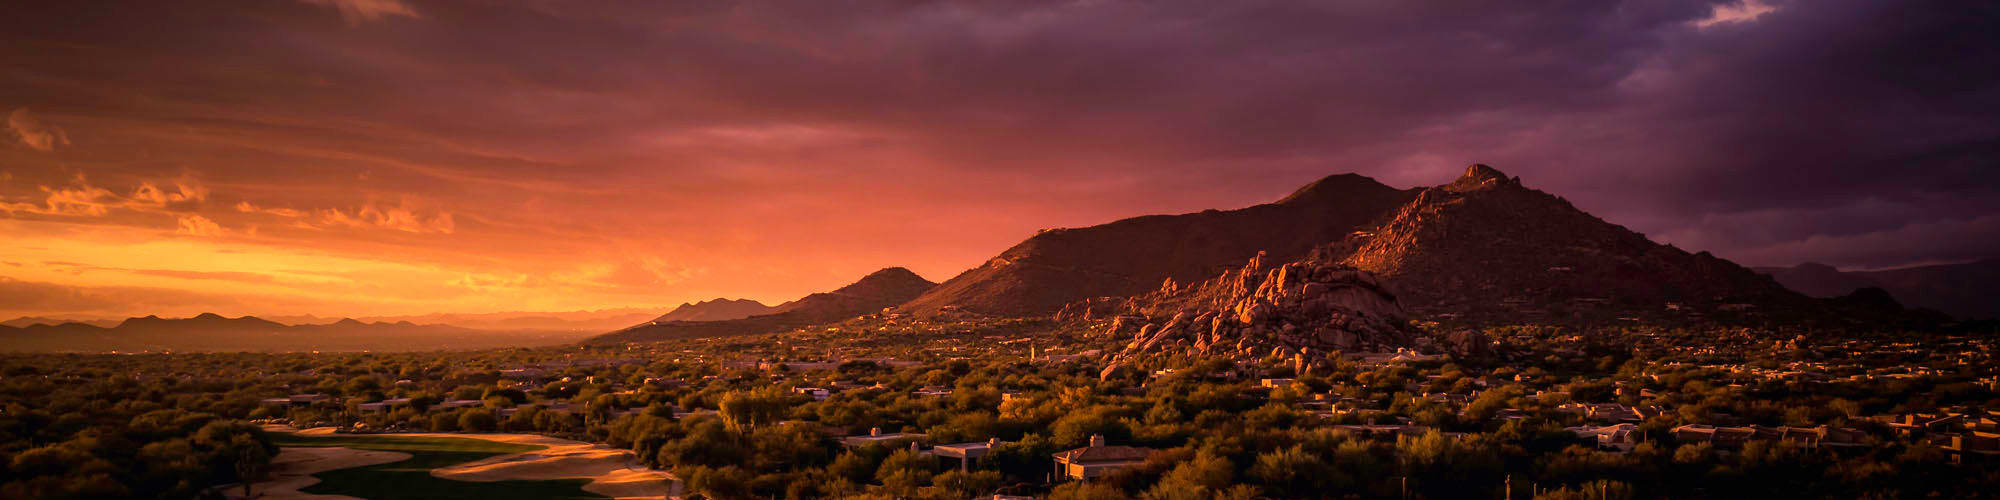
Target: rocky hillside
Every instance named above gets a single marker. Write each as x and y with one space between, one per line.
716 310
1133 256
1486 245
1303 310
1481 246
1965 291
872 293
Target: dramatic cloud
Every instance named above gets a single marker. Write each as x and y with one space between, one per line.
195 225
358 11
81 199
1743 10
33 133
587 154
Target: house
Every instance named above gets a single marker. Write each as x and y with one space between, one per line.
1730 437
1619 437
817 394
382 406
1277 383
460 403
966 453
1389 431
876 436
299 400
1721 437
696 413
1097 459
933 391
798 366
1981 445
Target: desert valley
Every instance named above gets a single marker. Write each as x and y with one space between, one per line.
1469 339
951 250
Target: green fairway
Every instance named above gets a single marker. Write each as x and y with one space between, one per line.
411 479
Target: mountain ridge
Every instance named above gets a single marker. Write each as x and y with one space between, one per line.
874 292
1963 290
715 310
1134 255
214 332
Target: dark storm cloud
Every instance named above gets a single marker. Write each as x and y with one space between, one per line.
1855 132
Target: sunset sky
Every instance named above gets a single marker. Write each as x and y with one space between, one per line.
374 157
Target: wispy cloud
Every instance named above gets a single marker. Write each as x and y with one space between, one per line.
1735 12
360 11
406 216
195 225
82 199
31 132
252 208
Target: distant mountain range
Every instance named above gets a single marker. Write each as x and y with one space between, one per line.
872 293
213 332
511 321
43 320
1968 290
581 321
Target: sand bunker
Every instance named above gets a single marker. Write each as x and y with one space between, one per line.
612 472
293 468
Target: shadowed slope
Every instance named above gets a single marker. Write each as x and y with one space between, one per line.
1965 291
872 293
1133 256
1485 243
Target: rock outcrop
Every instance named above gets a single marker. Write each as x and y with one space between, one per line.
1304 310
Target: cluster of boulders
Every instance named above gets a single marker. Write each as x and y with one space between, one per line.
1304 311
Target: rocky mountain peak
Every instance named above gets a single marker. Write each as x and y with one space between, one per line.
1479 176
1333 188
888 282
716 310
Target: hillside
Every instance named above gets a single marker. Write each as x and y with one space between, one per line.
212 332
872 293
1486 245
716 310
1305 310
1133 256
1965 291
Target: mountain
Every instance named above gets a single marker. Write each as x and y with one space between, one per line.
1480 246
716 310
514 321
1486 245
1133 256
212 332
40 320
872 293
1964 290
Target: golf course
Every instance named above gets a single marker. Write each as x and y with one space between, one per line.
318 464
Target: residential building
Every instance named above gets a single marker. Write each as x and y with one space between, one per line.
1098 459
